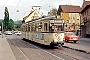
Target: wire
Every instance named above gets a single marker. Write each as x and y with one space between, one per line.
46 3
16 7
40 2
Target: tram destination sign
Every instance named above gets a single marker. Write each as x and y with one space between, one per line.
58 21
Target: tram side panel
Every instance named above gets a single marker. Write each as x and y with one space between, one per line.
48 38
38 37
30 36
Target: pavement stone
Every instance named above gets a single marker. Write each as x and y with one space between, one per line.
5 50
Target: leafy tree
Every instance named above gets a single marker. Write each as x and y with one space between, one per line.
6 19
18 25
53 12
0 23
11 24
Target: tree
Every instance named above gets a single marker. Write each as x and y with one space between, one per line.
18 24
53 12
6 19
11 24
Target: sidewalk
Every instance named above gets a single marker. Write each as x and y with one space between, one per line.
86 39
5 50
79 47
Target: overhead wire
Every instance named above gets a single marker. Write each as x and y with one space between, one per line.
46 3
16 6
40 2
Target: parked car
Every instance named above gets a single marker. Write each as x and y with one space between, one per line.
18 33
8 32
71 36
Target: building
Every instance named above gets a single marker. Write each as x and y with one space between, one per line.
85 19
71 16
33 15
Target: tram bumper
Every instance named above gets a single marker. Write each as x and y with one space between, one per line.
57 43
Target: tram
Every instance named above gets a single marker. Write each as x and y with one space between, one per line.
44 30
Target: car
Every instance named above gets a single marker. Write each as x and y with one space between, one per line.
18 33
8 32
71 36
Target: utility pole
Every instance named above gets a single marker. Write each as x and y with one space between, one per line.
2 29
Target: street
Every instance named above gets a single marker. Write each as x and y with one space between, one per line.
27 50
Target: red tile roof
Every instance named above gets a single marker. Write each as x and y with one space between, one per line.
70 8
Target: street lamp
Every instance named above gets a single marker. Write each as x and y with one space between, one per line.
17 11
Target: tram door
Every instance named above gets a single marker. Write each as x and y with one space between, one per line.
26 32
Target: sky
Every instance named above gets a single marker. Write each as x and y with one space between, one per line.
24 6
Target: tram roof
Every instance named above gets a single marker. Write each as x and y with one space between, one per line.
43 18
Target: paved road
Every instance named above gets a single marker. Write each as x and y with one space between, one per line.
24 50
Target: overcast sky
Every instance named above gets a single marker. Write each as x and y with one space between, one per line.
24 6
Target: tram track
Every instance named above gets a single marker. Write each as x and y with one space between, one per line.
74 57
49 51
44 58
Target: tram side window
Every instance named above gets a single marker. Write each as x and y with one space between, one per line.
33 28
51 27
40 27
26 28
37 27
29 28
45 27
